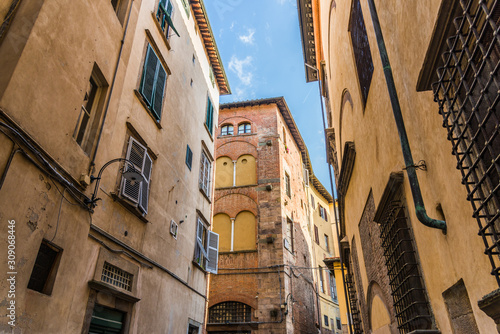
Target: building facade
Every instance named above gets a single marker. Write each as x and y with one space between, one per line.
266 282
107 113
411 92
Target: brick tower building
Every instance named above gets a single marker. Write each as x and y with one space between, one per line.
264 283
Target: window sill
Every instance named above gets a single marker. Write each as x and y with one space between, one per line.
197 265
129 207
141 99
165 39
237 135
208 131
205 195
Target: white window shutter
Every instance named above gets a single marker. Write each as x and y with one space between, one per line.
213 252
199 238
136 154
146 174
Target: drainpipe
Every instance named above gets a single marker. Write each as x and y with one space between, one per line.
405 145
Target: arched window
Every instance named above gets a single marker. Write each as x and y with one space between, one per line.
246 170
224 169
244 232
244 128
223 226
229 312
227 130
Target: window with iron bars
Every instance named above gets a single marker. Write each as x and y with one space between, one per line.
467 92
353 297
408 292
229 312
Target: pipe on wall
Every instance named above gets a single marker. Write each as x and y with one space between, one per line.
405 145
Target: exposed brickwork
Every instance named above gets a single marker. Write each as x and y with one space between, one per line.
359 284
260 288
373 254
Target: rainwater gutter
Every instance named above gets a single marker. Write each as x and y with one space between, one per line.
405 145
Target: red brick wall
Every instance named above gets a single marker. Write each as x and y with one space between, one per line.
259 288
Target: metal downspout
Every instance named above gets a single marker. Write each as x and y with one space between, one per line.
405 145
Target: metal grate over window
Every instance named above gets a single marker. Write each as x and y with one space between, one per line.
353 298
117 277
408 293
229 312
468 94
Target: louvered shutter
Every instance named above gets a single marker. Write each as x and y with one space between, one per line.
199 238
205 174
213 252
158 91
210 115
149 75
136 154
146 173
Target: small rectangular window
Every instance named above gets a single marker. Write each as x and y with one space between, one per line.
89 121
120 7
106 320
189 157
153 82
312 202
327 244
316 234
117 277
185 3
289 235
287 185
325 317
209 119
44 271
165 15
205 174
339 324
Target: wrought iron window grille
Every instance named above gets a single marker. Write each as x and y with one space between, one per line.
229 312
409 296
467 91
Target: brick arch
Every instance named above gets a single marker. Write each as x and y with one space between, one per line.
236 120
231 205
239 297
234 149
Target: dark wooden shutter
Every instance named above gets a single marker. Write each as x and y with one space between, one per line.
158 91
148 76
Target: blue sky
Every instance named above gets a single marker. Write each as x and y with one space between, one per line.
259 42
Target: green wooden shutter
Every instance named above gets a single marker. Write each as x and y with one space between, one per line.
210 115
149 75
159 87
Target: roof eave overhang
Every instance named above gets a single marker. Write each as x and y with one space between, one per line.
306 22
200 15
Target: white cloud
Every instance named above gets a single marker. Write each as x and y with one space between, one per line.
239 67
248 39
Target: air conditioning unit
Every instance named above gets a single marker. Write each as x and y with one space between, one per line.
173 228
